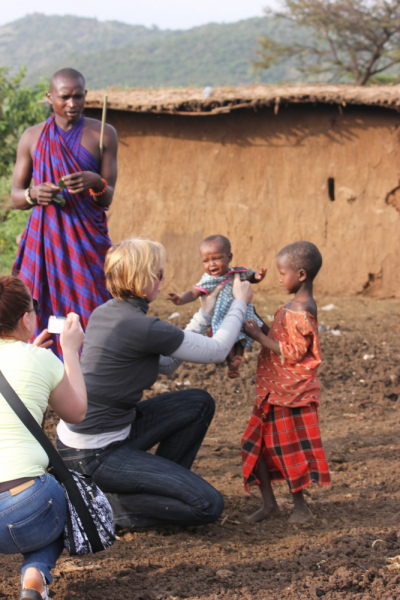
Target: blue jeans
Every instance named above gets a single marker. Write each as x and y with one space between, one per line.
32 523
146 489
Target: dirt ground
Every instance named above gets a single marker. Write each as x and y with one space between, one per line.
343 552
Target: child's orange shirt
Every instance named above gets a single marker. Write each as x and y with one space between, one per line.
290 378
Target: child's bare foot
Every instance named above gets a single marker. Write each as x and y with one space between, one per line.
301 514
263 513
233 366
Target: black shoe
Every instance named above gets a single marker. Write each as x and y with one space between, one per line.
30 595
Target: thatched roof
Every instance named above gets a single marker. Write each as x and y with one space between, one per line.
194 101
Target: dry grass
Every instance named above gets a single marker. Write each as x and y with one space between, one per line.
191 100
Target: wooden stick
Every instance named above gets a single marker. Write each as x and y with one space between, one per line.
103 122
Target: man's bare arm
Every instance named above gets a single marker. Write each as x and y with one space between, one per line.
86 180
186 297
41 194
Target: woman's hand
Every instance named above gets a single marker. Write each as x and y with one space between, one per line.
72 335
43 340
208 301
242 289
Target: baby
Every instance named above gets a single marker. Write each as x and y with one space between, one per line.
216 255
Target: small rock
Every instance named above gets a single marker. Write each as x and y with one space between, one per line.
321 328
224 573
368 356
329 307
187 382
336 332
160 388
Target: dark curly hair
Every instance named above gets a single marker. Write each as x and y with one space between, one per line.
303 255
224 242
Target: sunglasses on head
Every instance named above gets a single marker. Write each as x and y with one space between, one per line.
36 306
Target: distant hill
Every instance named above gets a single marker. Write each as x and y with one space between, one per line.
117 54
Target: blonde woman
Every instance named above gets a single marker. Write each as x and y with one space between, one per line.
123 353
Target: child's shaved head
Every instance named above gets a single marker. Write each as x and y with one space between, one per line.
303 255
221 240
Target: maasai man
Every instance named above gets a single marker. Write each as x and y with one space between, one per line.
62 250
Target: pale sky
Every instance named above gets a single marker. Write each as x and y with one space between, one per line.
166 14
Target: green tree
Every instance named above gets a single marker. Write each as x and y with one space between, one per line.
347 39
19 109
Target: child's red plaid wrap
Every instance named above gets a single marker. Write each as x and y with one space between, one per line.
290 441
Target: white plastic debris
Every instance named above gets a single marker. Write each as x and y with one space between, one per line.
329 307
336 332
174 315
368 356
187 382
206 93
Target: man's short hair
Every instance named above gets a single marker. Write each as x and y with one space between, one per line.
224 242
131 265
303 255
67 73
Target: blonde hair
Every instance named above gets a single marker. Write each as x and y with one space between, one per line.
131 265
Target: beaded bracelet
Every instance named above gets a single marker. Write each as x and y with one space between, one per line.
95 194
28 196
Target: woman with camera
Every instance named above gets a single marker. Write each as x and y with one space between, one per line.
32 503
124 351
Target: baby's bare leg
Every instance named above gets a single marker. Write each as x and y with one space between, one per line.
235 359
301 513
270 507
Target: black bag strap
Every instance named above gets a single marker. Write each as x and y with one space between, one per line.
61 469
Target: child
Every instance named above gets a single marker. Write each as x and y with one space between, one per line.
215 253
282 439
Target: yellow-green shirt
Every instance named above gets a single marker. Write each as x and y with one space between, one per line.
33 373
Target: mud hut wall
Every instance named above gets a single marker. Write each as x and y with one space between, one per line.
262 180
